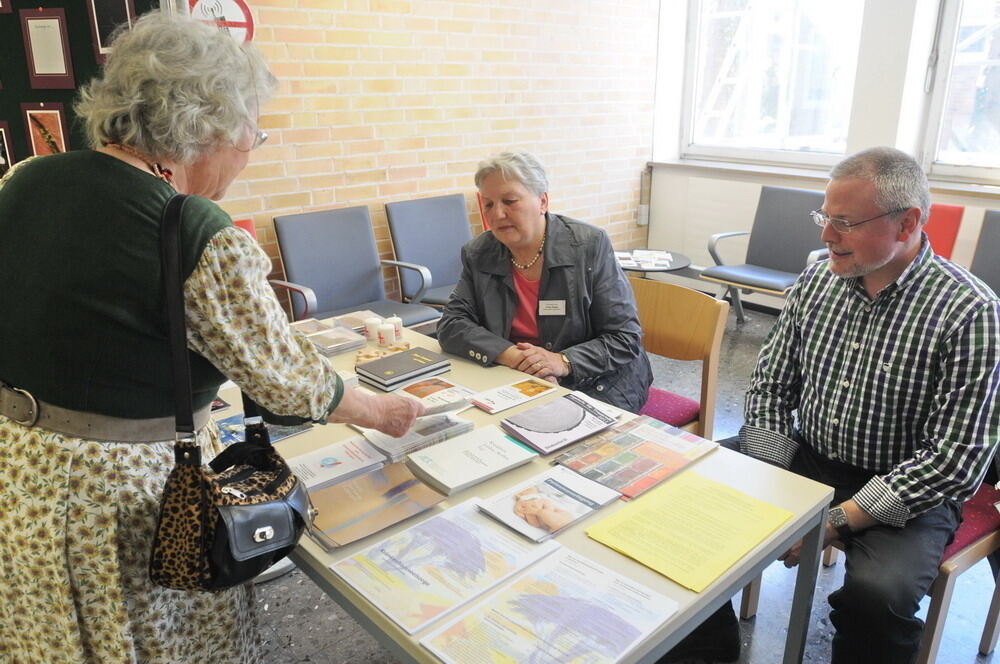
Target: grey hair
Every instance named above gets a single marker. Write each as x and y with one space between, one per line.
174 88
899 180
520 166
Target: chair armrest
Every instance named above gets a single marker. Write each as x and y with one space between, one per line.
817 255
307 294
714 240
425 277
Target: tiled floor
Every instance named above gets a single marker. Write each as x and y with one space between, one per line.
301 624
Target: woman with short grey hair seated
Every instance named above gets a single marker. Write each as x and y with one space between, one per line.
543 293
83 340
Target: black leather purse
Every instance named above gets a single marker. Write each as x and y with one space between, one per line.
223 524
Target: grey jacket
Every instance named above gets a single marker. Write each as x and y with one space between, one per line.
599 333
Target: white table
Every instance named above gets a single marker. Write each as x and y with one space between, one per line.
805 499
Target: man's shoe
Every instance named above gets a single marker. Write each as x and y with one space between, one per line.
715 640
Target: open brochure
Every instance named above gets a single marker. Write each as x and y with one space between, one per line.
508 396
566 608
635 456
335 463
557 423
367 504
418 575
469 459
548 503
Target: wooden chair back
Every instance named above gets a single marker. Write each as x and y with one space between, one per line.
683 324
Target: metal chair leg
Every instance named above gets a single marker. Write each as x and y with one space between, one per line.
734 299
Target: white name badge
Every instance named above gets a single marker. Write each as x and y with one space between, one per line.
552 307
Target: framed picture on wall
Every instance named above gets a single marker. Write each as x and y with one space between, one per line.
6 158
105 16
47 49
5 7
45 124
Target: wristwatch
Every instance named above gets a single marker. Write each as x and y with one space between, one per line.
838 519
569 367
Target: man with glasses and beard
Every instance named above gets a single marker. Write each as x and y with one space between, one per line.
880 379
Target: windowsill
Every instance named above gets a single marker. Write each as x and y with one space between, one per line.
964 188
705 168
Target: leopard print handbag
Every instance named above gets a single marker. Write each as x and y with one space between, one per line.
223 524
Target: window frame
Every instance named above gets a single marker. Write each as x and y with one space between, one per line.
689 150
936 87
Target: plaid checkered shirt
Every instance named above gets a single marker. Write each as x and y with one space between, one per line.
904 385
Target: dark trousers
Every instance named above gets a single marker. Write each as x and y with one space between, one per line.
888 571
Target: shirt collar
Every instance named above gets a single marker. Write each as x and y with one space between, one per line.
913 272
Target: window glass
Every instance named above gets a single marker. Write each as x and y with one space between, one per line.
970 119
774 74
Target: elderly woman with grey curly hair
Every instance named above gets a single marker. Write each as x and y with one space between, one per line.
83 336
543 293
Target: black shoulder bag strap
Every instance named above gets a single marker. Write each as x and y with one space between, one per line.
173 295
257 439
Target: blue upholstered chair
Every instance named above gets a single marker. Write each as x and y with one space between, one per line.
430 232
783 241
986 262
333 267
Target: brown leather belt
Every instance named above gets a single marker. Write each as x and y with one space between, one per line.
21 407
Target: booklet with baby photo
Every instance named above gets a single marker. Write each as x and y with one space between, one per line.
548 503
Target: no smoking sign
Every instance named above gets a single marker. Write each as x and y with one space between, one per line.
232 16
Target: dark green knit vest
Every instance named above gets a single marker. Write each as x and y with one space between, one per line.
82 322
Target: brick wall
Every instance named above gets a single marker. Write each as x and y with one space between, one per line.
384 100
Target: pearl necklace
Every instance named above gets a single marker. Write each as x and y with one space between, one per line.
155 168
534 260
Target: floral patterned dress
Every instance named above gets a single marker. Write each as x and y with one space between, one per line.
77 517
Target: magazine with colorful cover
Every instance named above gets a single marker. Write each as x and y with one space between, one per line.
548 503
507 396
636 455
565 608
469 459
438 391
420 574
557 423
368 504
336 462
231 430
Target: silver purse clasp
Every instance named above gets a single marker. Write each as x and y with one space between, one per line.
263 534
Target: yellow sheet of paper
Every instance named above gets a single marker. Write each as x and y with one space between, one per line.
691 529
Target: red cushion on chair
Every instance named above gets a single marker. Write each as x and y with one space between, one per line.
979 518
671 408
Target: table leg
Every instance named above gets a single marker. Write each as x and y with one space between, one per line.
805 589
